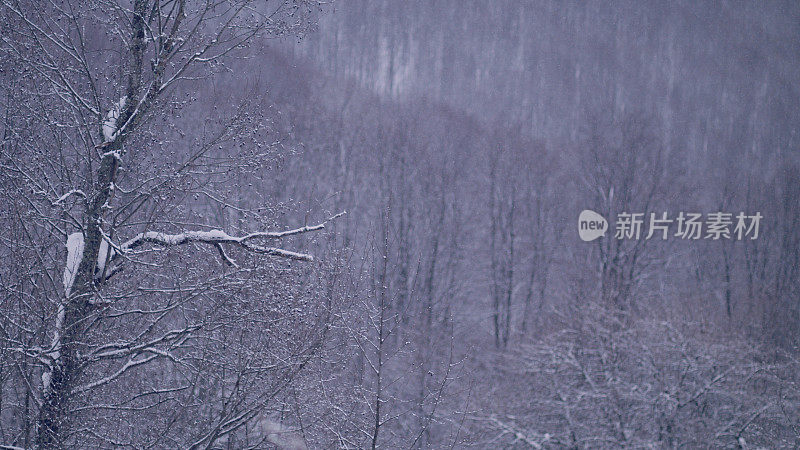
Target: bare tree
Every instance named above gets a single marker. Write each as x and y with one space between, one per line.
623 171
96 146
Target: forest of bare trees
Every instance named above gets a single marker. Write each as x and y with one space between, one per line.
292 224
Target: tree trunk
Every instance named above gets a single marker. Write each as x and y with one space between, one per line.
59 380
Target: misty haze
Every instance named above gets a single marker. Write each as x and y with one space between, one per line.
294 224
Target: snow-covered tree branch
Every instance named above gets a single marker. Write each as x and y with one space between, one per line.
219 237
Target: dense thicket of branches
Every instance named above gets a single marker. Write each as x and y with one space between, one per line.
167 172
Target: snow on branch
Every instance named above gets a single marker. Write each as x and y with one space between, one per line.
219 237
64 197
110 125
214 237
74 255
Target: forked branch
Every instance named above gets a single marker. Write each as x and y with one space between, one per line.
219 238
